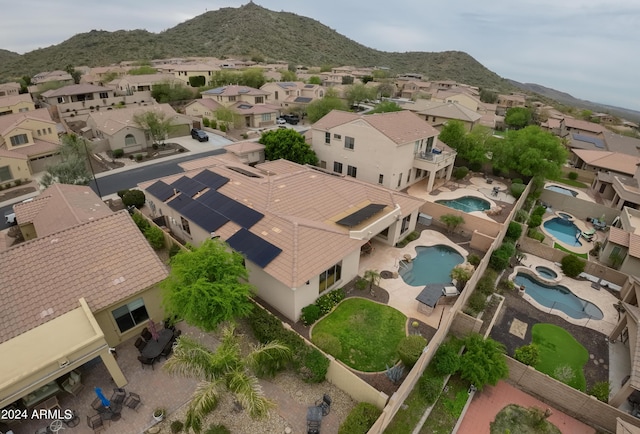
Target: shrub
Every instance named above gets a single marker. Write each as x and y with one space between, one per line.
134 198
473 259
573 176
174 250
244 136
486 284
217 429
206 122
564 374
142 223
155 146
131 157
394 373
310 314
330 300
214 124
601 391
328 343
122 192
527 354
475 166
361 284
409 349
539 210
155 236
430 388
315 365
514 231
138 157
176 426
516 181
452 221
18 182
496 171
446 360
460 172
521 216
477 302
532 233
534 221
572 265
223 128
499 259
517 190
360 419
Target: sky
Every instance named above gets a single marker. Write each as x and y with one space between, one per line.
587 48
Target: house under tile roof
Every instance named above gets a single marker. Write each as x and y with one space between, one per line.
626 239
579 124
10 100
235 90
9 121
44 278
617 162
209 103
112 121
451 110
401 127
75 89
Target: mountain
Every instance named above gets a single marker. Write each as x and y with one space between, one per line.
7 56
249 31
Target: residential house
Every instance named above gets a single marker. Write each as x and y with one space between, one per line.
293 94
394 150
616 190
119 130
202 108
606 118
300 229
49 79
232 94
79 99
187 70
409 76
74 294
621 248
414 89
555 126
464 99
247 152
256 115
438 114
14 166
8 89
604 161
101 75
505 102
140 85
252 105
32 134
578 126
16 104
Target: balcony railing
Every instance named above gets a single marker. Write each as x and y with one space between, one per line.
435 157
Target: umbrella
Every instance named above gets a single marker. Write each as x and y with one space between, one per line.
153 330
103 398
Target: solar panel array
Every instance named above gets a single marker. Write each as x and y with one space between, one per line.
589 139
161 190
361 215
254 248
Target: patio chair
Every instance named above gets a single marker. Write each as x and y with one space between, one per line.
96 423
140 343
96 404
166 351
73 384
146 361
118 395
325 404
146 334
133 401
177 333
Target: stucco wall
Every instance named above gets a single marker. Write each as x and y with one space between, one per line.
577 207
471 222
19 168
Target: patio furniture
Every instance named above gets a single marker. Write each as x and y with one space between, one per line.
133 401
177 333
145 334
324 404
155 346
72 421
41 394
48 404
140 344
96 423
314 419
55 426
166 351
118 395
146 361
73 384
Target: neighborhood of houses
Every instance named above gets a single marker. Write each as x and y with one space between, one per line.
84 281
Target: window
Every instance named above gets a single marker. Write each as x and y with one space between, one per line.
323 164
615 252
408 176
20 139
266 117
433 118
380 178
327 138
276 94
5 174
416 147
259 100
39 132
104 95
349 142
49 130
405 224
329 277
603 187
130 315
418 173
337 136
129 140
399 179
60 99
352 171
429 144
185 225
23 109
232 98
337 167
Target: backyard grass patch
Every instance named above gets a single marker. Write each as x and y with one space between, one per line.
570 182
448 408
516 419
579 255
561 356
362 334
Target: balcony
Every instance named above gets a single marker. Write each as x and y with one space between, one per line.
433 160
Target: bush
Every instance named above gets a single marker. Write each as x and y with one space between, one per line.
328 343
223 128
18 182
430 388
527 354
601 391
521 216
534 221
244 136
176 426
460 172
572 265
139 157
142 223
217 429
532 233
499 259
514 231
573 176
328 301
310 314
410 348
155 236
475 166
516 181
174 250
476 302
517 190
539 211
315 366
446 360
134 198
214 124
360 419
122 192
486 284
473 259
206 122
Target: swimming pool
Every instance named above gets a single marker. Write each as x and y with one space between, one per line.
562 190
546 272
563 230
558 297
431 265
466 203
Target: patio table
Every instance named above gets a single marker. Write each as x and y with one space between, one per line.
154 347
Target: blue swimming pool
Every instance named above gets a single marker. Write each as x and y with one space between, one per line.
466 203
431 265
562 190
563 230
546 272
558 297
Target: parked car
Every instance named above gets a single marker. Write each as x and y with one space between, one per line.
292 119
281 121
10 217
199 135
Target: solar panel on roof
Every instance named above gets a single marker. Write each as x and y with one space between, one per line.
160 190
254 248
203 216
211 179
302 99
309 86
188 186
231 209
589 139
361 215
179 202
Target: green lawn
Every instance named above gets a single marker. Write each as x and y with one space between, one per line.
570 182
579 255
561 356
362 334
448 408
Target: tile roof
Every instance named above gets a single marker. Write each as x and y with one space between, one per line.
75 89
145 78
38 147
61 206
244 147
43 278
209 103
10 121
451 110
615 161
112 121
10 100
244 108
235 90
300 207
401 127
618 236
12 154
584 125
622 144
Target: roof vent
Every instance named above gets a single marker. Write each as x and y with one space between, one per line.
45 313
118 280
54 240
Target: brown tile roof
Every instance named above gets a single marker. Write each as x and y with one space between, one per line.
12 154
39 147
59 207
112 121
401 127
10 100
584 125
300 207
244 147
634 245
234 90
145 78
617 162
622 144
451 110
9 121
619 236
43 278
209 103
244 108
75 89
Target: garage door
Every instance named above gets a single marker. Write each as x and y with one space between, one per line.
179 130
40 164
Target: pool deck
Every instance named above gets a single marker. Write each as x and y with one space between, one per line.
581 225
401 295
581 194
601 298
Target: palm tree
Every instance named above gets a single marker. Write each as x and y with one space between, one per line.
226 368
373 277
